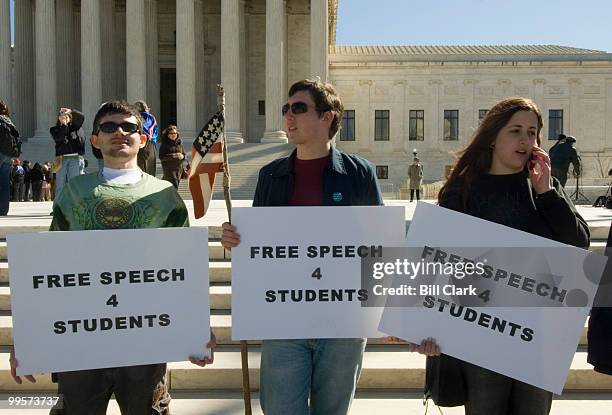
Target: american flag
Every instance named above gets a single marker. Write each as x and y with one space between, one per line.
206 160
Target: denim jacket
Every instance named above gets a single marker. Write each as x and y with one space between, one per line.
348 180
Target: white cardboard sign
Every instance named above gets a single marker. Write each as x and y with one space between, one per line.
542 357
297 274
95 299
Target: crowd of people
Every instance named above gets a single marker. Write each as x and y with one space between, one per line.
503 176
20 181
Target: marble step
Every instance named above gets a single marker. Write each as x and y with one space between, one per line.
365 403
221 325
220 298
398 370
215 251
218 271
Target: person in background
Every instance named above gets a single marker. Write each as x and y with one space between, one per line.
69 140
10 146
18 178
147 157
600 322
37 178
27 181
46 185
415 177
561 155
172 154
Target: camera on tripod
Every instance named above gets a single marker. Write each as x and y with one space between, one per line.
605 199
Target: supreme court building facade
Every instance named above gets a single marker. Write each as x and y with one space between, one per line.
172 54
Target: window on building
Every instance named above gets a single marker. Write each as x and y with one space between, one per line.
416 127
481 115
451 125
381 125
347 132
262 107
382 172
555 124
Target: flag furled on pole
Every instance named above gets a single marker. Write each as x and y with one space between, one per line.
206 160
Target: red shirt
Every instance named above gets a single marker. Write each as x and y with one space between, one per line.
308 182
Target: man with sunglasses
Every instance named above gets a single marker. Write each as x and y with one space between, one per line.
315 174
120 196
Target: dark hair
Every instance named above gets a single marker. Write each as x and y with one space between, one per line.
171 127
475 160
325 98
141 106
116 107
4 110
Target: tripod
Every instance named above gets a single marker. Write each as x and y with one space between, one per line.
602 200
578 196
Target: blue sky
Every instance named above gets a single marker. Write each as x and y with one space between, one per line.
583 24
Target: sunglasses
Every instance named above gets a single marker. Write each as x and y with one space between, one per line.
296 108
110 127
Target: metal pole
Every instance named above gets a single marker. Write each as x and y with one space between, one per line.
244 348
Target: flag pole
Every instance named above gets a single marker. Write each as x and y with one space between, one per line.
227 179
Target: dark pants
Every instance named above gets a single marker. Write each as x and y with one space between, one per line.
37 191
418 193
26 192
490 393
172 171
147 157
139 390
18 185
560 174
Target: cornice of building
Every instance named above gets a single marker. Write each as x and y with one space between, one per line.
333 19
457 53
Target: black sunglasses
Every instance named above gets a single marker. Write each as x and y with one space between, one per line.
110 127
296 108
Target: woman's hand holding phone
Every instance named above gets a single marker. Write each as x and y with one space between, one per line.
540 170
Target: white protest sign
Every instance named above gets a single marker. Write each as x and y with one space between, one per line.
297 271
533 344
95 299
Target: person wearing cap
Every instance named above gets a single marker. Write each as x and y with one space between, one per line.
561 155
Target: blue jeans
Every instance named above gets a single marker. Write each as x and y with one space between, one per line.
72 166
5 184
326 370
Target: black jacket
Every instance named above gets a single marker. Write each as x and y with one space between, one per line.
69 138
562 154
551 215
348 180
600 323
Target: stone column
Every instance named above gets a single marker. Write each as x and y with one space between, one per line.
319 39
136 50
6 89
46 73
108 53
230 67
435 115
571 120
185 70
23 111
276 66
153 94
91 60
65 45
